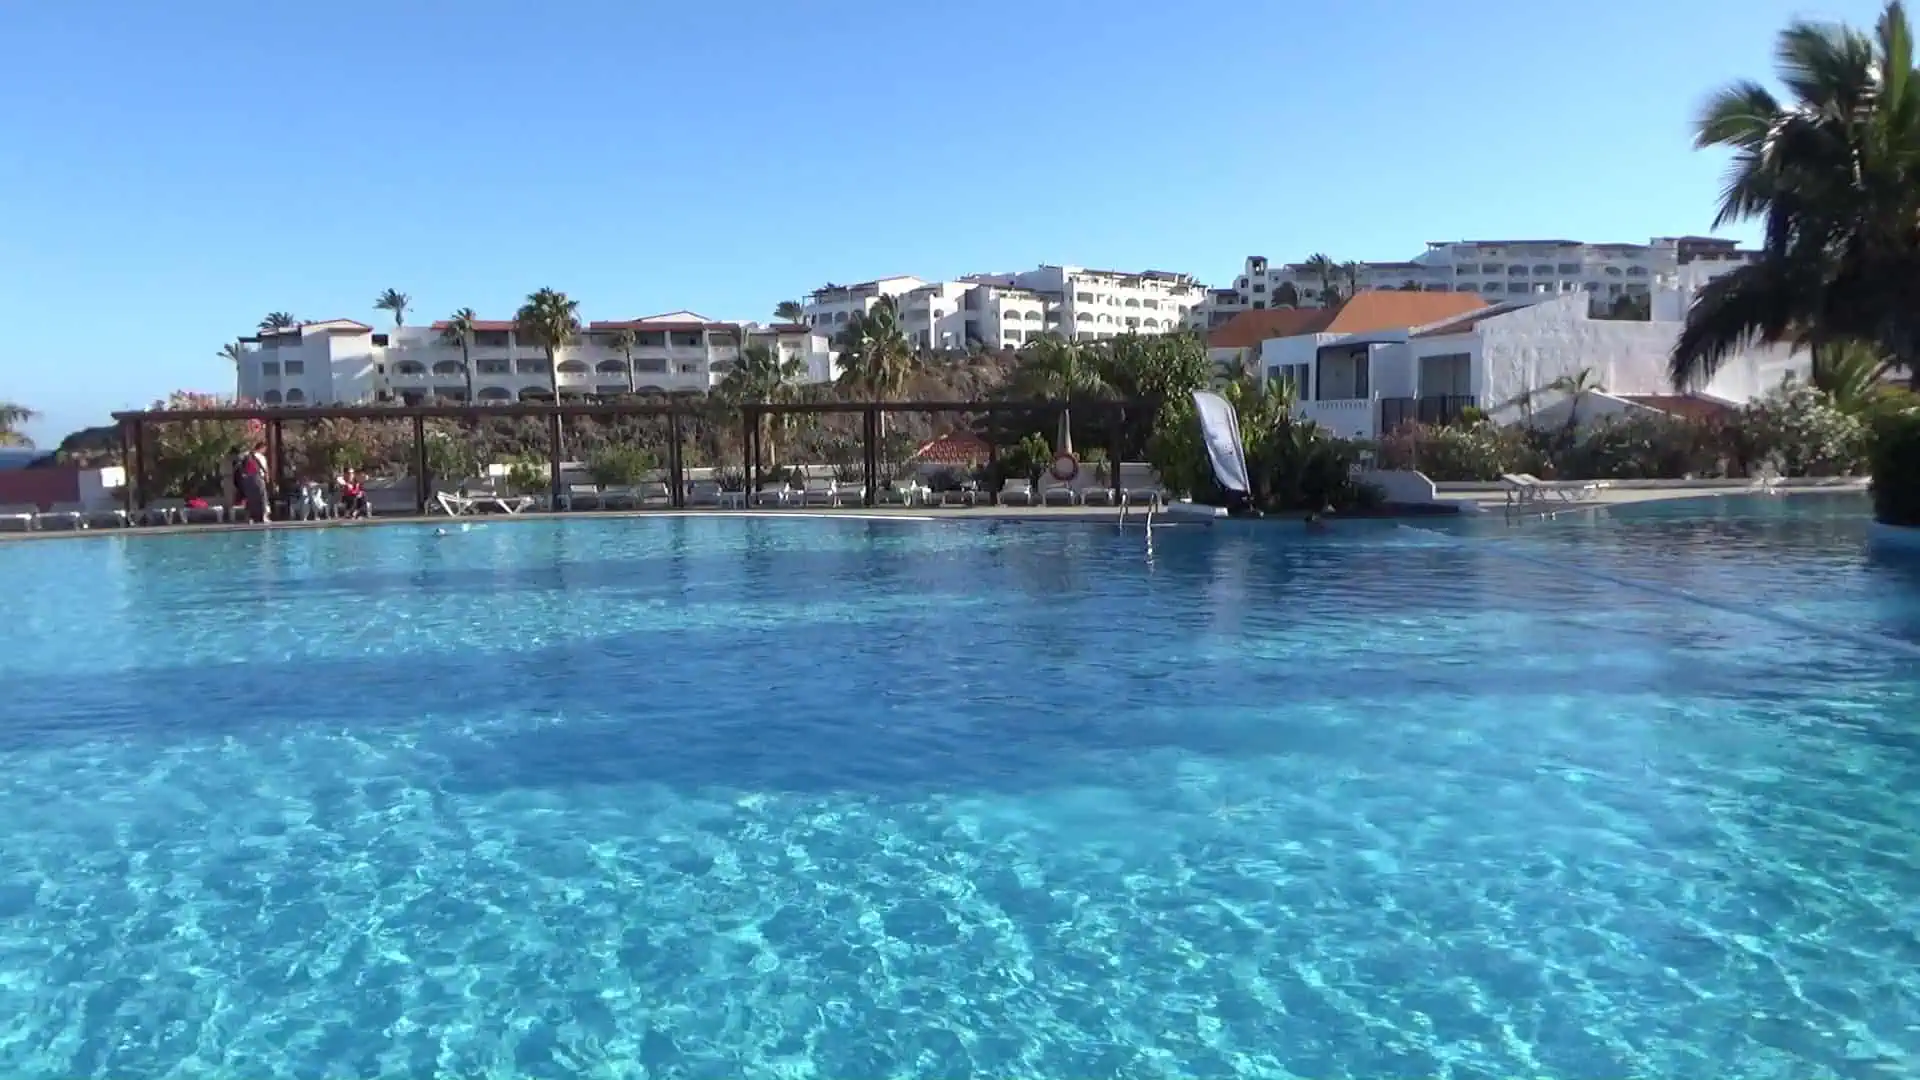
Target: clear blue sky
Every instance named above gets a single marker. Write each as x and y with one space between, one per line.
172 171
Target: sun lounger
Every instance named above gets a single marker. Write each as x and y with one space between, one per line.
1525 488
1057 492
619 497
818 492
161 512
209 514
580 497
774 494
653 493
1138 486
452 505
19 516
1016 490
108 517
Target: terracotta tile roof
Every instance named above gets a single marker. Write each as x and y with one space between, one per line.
954 448
1686 406
1465 324
1391 310
1250 328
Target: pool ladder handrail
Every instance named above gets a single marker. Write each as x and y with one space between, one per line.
1122 523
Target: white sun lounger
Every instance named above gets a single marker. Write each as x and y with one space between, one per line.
20 516
1016 489
1525 488
775 494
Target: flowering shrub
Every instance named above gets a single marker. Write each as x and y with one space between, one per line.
1800 430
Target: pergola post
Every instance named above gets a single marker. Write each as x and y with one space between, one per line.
553 456
676 467
126 469
139 477
870 455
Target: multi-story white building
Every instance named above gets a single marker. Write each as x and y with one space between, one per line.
1498 270
998 310
340 361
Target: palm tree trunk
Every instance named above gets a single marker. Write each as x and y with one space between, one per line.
1065 445
633 380
553 373
466 363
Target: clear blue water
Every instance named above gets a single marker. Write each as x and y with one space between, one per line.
836 799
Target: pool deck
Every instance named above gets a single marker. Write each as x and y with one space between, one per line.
1490 498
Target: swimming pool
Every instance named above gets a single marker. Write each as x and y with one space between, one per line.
757 797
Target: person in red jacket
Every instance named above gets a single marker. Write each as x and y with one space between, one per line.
253 483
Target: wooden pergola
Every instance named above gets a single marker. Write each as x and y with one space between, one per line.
273 418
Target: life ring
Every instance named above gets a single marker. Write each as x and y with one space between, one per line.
1065 466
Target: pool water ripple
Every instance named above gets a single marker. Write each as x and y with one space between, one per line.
708 798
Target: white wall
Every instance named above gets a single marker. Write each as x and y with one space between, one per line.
1526 349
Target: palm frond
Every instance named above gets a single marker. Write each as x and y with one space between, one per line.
1758 303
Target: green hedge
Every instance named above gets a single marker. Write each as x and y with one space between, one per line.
1896 468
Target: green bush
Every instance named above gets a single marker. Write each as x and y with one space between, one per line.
1643 447
1458 453
619 466
1896 468
1296 465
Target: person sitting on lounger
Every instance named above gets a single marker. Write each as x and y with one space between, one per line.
353 496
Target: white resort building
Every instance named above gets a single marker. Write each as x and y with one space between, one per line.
1497 270
340 361
1382 359
1001 310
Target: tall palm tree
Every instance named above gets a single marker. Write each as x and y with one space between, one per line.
12 419
458 334
876 359
551 321
790 311
762 377
1833 174
1059 370
277 320
395 301
622 341
1322 266
232 353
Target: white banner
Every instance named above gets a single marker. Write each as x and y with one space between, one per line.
1220 429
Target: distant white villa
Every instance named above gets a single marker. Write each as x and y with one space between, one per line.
1001 310
1387 357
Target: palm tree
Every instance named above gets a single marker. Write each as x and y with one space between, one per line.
761 377
1849 372
232 353
1322 266
12 418
551 321
1059 370
458 334
622 341
277 320
1834 176
1285 295
1576 387
395 301
790 311
1351 272
876 359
